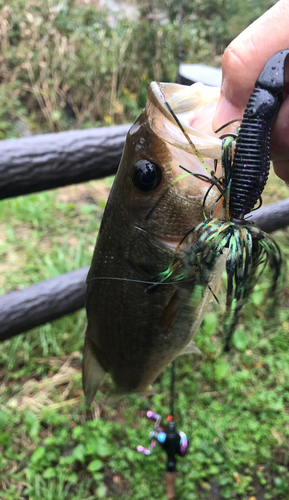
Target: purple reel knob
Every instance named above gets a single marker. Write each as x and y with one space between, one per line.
143 450
183 443
153 415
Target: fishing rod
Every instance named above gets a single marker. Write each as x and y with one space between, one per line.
172 441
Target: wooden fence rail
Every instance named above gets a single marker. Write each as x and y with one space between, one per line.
49 161
45 301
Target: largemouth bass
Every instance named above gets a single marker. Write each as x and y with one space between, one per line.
133 333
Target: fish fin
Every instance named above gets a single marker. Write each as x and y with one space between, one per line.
169 313
92 372
149 391
115 397
216 274
190 348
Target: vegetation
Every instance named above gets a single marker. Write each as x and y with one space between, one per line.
69 64
234 407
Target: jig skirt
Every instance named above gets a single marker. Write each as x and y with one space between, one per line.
244 175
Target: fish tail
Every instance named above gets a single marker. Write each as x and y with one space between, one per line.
189 349
92 371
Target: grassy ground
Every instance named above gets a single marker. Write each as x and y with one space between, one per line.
234 407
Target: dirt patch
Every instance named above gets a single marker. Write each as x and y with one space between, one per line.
22 231
3 235
12 261
37 394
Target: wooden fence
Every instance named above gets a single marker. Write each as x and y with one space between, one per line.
49 161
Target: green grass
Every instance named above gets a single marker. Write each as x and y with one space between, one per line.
234 407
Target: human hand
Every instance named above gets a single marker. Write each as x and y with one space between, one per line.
242 62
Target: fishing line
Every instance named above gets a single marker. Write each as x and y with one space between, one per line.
140 281
173 379
226 125
199 176
199 156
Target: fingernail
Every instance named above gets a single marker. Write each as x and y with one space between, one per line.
225 112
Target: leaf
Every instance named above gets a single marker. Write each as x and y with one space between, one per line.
221 370
39 453
4 439
32 423
95 465
240 340
72 478
49 473
102 448
257 297
69 460
79 453
77 431
218 458
101 491
210 323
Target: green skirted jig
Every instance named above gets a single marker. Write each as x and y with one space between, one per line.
249 249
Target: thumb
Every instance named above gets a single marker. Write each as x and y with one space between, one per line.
245 57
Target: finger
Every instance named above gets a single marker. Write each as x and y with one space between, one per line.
282 170
245 57
280 134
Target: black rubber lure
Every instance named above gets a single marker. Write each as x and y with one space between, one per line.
243 179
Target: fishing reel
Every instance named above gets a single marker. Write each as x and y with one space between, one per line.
172 441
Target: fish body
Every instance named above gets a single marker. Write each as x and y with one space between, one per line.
134 331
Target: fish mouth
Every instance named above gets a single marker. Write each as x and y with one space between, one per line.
188 103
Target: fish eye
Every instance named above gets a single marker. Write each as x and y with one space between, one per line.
147 175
